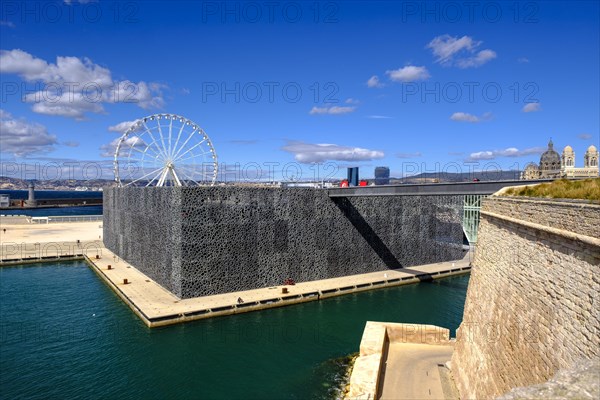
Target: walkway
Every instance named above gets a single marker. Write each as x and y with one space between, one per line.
416 372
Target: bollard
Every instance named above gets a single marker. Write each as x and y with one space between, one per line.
97 257
109 266
284 290
125 281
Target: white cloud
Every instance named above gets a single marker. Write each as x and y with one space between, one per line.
409 73
522 60
466 117
108 150
532 107
72 105
482 155
379 117
508 152
584 136
374 82
23 138
350 100
121 127
477 60
333 110
66 69
22 63
460 52
71 143
409 155
76 86
310 153
8 24
445 47
145 95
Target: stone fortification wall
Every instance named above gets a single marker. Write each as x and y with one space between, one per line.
533 298
208 240
570 215
581 381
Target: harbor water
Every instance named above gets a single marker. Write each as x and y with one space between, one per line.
52 211
65 334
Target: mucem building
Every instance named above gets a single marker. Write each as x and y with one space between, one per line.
203 240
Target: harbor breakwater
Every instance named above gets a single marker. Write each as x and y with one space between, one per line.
198 241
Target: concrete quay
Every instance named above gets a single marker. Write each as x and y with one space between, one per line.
403 361
156 306
22 243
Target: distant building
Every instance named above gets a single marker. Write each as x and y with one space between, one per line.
31 202
531 171
382 176
353 176
316 185
4 200
552 165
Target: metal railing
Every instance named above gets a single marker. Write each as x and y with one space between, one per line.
65 218
471 209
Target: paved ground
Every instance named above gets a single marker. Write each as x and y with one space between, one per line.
55 232
49 240
412 372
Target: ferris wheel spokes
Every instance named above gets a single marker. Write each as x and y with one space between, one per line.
155 157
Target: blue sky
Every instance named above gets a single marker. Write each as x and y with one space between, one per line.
377 82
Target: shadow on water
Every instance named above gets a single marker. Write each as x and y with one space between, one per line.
451 284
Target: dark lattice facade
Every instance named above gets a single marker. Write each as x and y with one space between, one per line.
198 241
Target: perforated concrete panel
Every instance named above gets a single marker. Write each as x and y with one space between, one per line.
198 241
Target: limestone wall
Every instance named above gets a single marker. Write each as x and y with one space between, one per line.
575 216
208 240
532 304
581 381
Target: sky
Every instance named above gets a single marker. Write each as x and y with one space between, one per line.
308 87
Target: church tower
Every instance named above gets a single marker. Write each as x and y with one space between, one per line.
590 160
567 160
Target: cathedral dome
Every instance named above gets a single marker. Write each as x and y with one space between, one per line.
568 149
592 149
531 171
531 167
550 158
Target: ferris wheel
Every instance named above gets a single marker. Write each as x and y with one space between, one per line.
165 150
